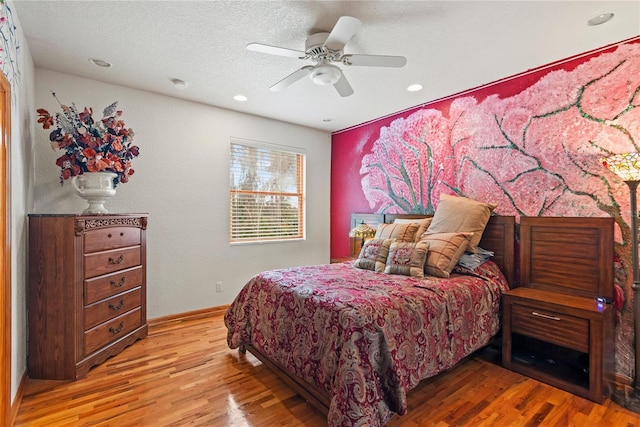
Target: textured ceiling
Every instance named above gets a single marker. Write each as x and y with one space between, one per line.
450 46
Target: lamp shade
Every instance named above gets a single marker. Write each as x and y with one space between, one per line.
362 231
625 165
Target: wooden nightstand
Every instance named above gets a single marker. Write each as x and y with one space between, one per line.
557 327
562 340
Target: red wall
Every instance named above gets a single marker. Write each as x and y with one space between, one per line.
349 146
531 143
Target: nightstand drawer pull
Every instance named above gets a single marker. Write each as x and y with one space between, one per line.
535 313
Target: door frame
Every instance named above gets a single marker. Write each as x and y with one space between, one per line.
5 251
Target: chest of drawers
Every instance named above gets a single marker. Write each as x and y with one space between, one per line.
87 290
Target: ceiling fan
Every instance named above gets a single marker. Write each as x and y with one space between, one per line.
325 49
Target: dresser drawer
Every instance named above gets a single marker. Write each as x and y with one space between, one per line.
111 238
102 287
99 263
550 326
104 310
112 330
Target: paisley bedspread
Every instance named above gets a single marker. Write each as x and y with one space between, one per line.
366 338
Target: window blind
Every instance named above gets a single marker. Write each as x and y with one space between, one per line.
266 194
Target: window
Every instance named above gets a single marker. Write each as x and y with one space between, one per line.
266 194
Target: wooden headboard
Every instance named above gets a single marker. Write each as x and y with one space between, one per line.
498 236
571 255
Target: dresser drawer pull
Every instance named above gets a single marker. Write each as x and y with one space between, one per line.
118 284
116 260
116 330
117 307
545 316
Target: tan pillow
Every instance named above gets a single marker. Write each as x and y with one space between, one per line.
373 255
402 232
423 224
445 249
461 214
407 258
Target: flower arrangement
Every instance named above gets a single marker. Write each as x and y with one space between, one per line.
90 145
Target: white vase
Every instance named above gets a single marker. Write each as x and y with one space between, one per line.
95 188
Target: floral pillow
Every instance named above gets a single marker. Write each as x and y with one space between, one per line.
373 255
407 258
445 249
402 232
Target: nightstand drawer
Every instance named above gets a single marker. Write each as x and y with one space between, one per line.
549 326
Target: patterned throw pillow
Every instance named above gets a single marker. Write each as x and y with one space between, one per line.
402 232
407 258
445 249
461 214
373 255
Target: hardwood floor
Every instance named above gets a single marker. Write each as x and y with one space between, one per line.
183 374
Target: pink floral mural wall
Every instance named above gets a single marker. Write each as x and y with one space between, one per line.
532 144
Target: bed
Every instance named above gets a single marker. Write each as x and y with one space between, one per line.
353 342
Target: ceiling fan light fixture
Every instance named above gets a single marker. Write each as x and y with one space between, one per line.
325 75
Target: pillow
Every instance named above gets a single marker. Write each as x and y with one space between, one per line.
423 224
407 258
402 232
461 214
373 255
445 249
473 261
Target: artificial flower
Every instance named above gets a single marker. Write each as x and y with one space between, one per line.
89 145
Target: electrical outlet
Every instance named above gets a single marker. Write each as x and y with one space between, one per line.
218 286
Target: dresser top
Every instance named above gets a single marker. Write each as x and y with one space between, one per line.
68 215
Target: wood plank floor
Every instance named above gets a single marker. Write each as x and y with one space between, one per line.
183 374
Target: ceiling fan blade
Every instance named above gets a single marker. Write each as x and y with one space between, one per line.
291 79
343 87
342 32
374 60
274 50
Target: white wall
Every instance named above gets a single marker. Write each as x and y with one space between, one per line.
182 181
22 118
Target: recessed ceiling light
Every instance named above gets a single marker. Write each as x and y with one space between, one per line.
179 84
327 120
240 98
100 62
414 88
600 19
